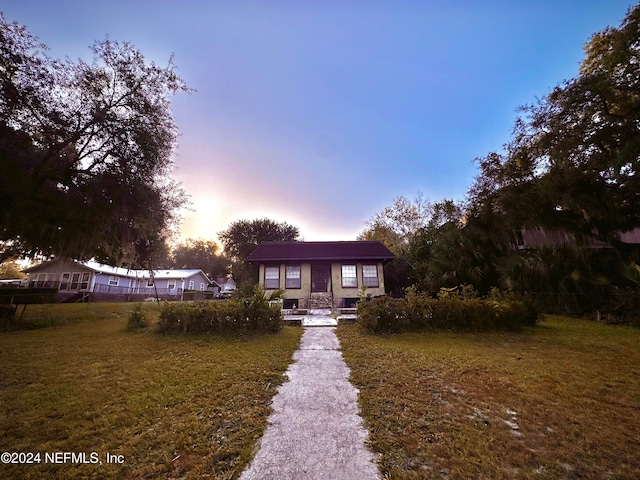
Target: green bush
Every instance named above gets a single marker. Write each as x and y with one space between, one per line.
450 311
236 315
620 306
137 318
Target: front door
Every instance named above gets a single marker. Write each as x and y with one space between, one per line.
320 278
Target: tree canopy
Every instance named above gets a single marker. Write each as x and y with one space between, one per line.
202 254
409 228
85 150
10 270
572 162
243 236
571 166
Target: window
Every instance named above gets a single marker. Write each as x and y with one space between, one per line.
84 282
171 284
113 280
271 277
150 282
370 275
52 280
64 282
75 280
349 278
191 285
292 279
202 287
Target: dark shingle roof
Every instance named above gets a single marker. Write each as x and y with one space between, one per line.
320 251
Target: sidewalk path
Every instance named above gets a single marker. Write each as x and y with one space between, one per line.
315 318
315 432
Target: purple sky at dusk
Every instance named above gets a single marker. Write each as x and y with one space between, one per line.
319 113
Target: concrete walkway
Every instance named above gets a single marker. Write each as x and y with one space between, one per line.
315 431
315 318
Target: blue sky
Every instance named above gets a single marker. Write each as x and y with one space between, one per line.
319 113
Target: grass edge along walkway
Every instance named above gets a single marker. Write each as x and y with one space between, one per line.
171 406
315 430
561 400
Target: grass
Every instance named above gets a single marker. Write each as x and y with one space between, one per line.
56 314
172 406
561 400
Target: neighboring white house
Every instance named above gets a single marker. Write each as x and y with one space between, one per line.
72 276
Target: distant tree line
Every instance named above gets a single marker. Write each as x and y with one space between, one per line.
239 239
571 165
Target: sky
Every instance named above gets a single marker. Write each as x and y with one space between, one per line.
320 113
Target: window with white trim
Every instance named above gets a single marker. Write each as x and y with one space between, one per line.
293 277
150 282
191 284
271 277
113 281
84 281
171 284
349 278
202 287
64 281
370 275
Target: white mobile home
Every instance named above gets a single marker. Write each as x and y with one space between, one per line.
70 276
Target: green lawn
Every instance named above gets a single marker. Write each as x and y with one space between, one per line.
171 406
561 400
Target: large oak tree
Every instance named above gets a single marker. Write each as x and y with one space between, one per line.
573 159
85 150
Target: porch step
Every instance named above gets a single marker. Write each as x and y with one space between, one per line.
321 300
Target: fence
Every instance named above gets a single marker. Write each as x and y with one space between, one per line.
100 293
12 298
100 288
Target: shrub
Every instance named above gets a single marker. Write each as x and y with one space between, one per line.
137 318
450 311
381 315
236 315
621 306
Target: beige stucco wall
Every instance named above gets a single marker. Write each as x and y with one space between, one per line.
303 294
340 292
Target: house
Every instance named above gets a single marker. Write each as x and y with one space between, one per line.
322 274
227 285
72 277
533 238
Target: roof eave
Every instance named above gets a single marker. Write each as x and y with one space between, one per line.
321 259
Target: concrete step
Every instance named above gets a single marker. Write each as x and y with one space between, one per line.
321 300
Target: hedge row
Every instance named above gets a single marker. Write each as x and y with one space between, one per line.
224 316
417 312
